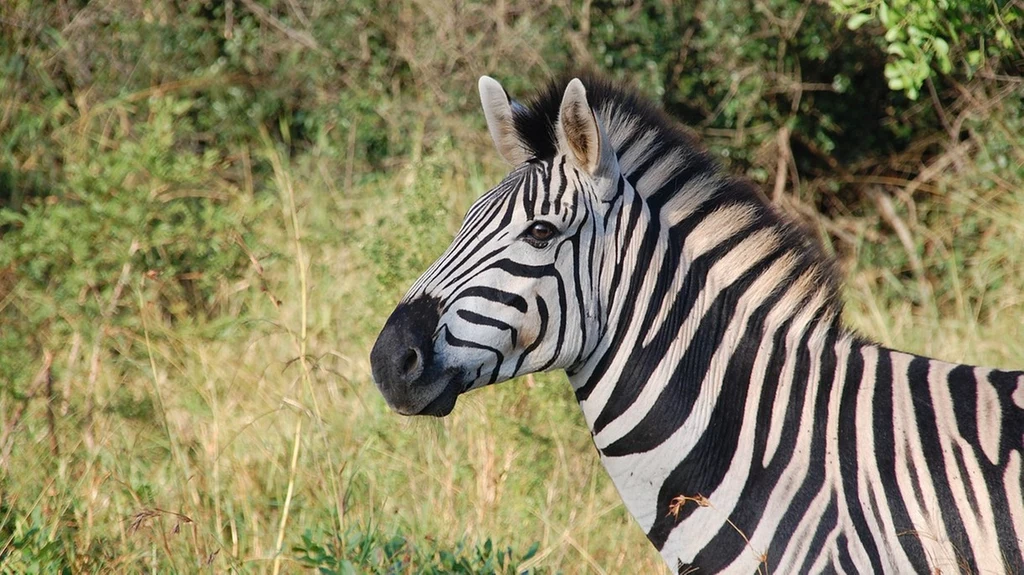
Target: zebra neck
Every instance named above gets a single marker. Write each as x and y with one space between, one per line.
692 320
675 403
656 385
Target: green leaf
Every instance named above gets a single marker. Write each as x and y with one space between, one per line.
898 49
858 20
1004 39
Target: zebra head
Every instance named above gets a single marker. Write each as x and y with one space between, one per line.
505 298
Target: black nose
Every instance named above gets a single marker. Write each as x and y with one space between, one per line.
404 348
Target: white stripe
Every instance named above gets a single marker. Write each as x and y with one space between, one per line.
795 471
1018 392
989 417
716 228
834 459
799 545
1013 482
638 153
595 402
668 165
689 198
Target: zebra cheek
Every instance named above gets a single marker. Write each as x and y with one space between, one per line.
527 336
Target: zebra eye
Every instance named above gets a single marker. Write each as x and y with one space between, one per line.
540 233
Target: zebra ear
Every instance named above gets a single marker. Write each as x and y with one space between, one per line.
579 133
498 111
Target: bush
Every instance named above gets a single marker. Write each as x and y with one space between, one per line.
925 38
31 545
137 213
368 551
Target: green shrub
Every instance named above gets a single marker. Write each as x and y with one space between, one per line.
138 213
368 551
28 545
925 38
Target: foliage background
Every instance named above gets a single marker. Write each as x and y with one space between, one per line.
207 209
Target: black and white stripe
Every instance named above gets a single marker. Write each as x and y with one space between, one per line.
745 428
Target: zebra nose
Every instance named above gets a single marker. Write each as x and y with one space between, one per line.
404 348
411 364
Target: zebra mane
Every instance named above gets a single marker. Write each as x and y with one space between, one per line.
623 112
667 165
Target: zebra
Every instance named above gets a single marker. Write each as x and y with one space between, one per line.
745 428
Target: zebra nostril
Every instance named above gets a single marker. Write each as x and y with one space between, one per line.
411 363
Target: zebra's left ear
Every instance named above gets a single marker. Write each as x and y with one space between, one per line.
579 133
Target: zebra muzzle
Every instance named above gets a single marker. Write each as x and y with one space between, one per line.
403 363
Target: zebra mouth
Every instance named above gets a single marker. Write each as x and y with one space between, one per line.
444 403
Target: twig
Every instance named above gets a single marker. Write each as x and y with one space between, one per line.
888 181
939 109
101 334
933 170
888 213
51 418
797 87
73 355
288 496
303 38
350 159
678 502
1013 37
229 19
813 216
299 13
941 113
782 166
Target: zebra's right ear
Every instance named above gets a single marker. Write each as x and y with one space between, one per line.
498 111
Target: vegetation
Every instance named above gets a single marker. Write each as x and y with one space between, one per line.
207 210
